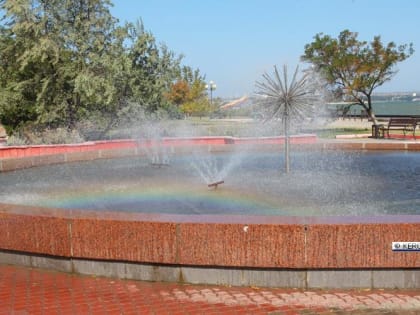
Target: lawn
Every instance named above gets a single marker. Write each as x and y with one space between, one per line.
236 127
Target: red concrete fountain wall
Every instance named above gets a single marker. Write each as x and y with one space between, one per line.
337 243
203 240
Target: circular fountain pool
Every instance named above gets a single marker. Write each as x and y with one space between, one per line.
320 183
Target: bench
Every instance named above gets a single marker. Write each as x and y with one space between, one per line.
406 124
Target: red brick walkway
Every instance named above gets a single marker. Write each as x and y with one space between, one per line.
34 291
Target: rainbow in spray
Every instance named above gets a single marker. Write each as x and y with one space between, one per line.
159 199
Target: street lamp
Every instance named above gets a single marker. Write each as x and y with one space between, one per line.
211 86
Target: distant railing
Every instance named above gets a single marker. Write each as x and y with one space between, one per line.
357 114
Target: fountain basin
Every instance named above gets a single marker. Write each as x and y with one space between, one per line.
285 251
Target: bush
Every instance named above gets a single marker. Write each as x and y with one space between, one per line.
47 136
15 140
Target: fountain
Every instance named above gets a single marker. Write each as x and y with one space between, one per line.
232 235
212 168
152 143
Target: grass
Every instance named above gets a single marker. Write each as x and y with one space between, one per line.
332 132
198 128
235 127
247 128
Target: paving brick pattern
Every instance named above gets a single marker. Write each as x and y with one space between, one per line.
33 291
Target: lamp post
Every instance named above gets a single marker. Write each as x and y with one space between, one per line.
211 86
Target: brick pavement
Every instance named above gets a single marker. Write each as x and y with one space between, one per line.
34 291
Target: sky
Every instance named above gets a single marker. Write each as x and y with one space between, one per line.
234 42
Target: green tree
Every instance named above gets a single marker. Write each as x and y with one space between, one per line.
355 68
198 107
29 52
197 89
139 73
57 49
88 34
65 62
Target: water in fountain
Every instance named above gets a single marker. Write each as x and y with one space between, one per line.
152 142
212 168
321 183
208 167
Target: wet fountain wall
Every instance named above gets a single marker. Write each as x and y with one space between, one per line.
283 251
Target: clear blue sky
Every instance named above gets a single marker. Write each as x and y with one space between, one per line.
233 42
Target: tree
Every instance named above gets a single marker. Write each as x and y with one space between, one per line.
179 92
66 62
154 68
29 52
198 107
138 75
58 47
290 102
88 35
355 68
189 93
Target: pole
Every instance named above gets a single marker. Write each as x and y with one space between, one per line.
211 86
286 144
